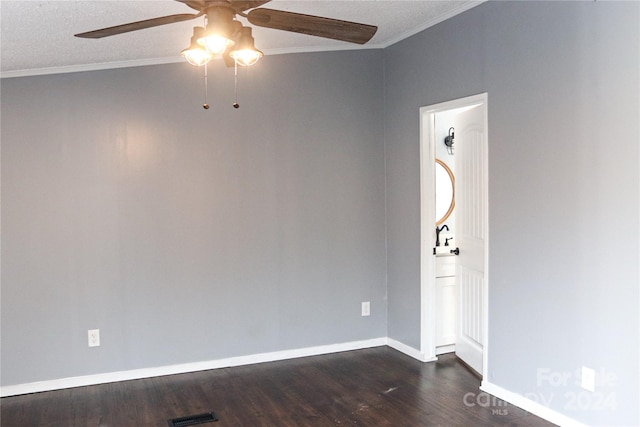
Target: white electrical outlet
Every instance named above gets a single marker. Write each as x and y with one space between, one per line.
588 379
366 308
94 337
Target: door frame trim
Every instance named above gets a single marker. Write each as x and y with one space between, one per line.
427 233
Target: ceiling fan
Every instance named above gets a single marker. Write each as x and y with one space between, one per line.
225 36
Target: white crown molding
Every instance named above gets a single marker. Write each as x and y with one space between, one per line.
89 67
160 61
462 8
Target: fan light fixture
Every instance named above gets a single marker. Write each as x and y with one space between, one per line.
220 29
215 43
222 34
195 54
245 52
448 141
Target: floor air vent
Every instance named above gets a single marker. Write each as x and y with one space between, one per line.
192 420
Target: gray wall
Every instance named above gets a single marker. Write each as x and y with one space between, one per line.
189 235
563 86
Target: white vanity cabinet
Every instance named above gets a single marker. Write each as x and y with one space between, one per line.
445 303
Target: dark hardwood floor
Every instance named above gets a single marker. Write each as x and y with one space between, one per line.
372 387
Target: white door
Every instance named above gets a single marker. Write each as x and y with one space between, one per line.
471 233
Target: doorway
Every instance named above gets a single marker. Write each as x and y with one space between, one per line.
466 231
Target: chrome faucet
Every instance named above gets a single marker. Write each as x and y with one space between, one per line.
438 230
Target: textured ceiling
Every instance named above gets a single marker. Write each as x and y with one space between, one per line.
37 36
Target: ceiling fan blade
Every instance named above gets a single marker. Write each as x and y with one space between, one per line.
237 5
195 4
241 5
139 25
336 29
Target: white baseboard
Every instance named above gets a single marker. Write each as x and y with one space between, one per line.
409 351
134 374
63 383
530 406
443 349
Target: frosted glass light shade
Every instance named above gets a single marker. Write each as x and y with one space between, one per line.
245 52
197 56
246 57
215 43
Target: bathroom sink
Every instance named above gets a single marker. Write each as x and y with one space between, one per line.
444 251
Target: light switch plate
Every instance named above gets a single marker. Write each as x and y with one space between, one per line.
588 379
366 308
94 337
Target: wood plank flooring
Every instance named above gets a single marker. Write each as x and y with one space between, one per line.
372 387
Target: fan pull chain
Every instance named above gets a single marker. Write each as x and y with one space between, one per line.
206 88
235 85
